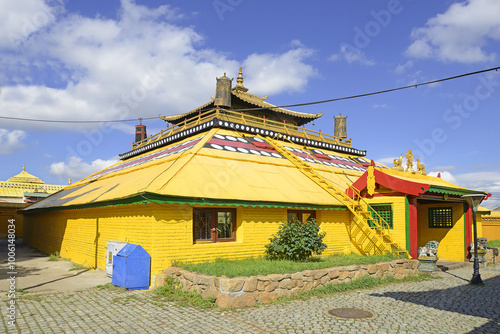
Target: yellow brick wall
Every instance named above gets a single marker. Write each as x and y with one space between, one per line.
451 240
5 215
165 232
490 229
334 223
398 233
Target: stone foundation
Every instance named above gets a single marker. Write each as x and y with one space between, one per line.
492 255
240 292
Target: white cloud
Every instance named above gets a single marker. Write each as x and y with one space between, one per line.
20 19
388 161
400 69
10 141
460 34
486 181
445 175
380 106
351 55
440 168
274 73
77 169
138 65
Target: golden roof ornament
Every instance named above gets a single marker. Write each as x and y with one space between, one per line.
398 163
420 168
239 82
340 126
223 92
409 162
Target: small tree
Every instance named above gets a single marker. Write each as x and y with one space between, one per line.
296 241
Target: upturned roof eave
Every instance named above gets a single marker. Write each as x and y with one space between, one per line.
251 99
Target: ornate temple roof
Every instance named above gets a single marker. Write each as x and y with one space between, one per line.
242 100
224 166
15 188
25 177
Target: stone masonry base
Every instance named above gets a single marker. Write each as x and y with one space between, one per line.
240 292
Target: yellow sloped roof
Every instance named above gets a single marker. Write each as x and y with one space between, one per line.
216 177
222 166
202 171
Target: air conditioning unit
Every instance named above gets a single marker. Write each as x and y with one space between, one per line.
112 249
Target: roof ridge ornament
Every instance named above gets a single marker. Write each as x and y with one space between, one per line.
223 92
409 162
239 80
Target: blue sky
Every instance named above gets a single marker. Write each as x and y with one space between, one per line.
116 60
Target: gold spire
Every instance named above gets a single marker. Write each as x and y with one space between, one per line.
239 80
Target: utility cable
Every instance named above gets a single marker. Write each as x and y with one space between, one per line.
377 92
68 121
272 107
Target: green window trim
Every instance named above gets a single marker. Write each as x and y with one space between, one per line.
441 217
385 211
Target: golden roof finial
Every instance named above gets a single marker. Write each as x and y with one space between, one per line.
239 80
24 168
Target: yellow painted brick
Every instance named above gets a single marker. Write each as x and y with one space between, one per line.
165 232
451 240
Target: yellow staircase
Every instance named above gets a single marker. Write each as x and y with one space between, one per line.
366 239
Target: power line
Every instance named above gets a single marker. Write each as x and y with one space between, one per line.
282 106
377 92
68 121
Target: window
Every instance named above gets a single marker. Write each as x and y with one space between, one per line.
300 215
384 211
213 225
440 218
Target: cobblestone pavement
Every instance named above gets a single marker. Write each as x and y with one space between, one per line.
447 305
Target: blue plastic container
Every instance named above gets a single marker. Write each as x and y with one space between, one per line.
131 268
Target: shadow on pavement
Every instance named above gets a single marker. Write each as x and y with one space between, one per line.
33 271
474 300
54 280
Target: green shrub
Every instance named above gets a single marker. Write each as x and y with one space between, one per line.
54 256
296 241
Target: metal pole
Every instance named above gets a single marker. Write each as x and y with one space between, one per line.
476 277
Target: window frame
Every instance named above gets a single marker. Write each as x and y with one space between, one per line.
433 213
214 223
373 207
312 214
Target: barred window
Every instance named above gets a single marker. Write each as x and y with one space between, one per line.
384 211
440 218
213 225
